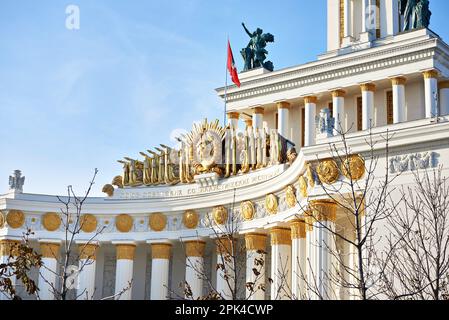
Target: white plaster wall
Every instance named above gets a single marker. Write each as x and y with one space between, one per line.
414 100
139 272
177 271
333 24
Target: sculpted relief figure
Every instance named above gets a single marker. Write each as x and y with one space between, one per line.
254 54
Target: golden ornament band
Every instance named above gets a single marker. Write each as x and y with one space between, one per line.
160 250
50 250
88 251
256 241
280 236
195 248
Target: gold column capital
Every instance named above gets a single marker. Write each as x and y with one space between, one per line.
249 122
225 245
368 87
160 250
310 99
88 251
324 210
50 250
430 74
9 248
256 241
258 110
443 85
398 81
233 115
298 229
283 105
195 248
338 93
280 236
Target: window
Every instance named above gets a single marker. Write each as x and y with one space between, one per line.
359 113
276 121
331 109
303 126
390 107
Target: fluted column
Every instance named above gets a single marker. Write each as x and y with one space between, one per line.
233 119
338 102
160 267
367 105
124 271
256 244
347 18
281 245
226 268
195 267
310 114
310 257
283 119
398 85
87 266
49 270
324 216
298 234
8 248
258 113
444 98
431 93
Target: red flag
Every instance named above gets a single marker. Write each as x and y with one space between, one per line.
231 66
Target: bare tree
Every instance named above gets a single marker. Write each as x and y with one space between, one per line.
418 242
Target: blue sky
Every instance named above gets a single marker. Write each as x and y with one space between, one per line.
72 101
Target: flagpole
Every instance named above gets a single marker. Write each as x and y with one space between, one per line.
226 86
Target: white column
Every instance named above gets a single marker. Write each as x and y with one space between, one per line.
299 263
233 119
124 271
160 267
255 246
258 113
86 277
281 246
49 270
283 119
225 268
338 102
310 113
444 98
365 15
7 249
367 105
324 215
431 93
398 85
195 267
347 17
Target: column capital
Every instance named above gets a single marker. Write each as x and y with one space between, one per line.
398 81
298 229
233 115
443 85
310 99
160 250
88 251
338 93
430 74
258 110
195 248
368 87
308 220
249 122
50 249
225 245
256 241
283 105
324 210
280 236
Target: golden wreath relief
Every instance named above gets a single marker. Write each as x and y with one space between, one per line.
327 171
302 186
247 209
220 215
190 219
51 221
290 196
158 221
15 219
353 167
271 204
124 223
88 223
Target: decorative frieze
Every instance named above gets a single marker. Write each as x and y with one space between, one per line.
124 223
271 204
415 161
15 218
353 167
190 219
88 223
51 221
327 171
247 210
158 221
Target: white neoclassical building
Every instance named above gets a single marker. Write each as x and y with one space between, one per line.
159 215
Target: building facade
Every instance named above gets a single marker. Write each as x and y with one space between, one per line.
163 215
